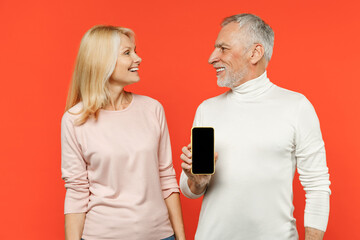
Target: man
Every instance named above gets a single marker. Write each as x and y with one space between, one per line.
262 133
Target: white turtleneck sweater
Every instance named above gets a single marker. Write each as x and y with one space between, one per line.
262 134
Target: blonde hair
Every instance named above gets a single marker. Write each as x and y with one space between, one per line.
94 65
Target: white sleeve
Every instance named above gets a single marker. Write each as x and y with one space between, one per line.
312 168
184 187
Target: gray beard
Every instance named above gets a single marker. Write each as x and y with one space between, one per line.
231 78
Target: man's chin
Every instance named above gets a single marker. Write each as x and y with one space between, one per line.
221 82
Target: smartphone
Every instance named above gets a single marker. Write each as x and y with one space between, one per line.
203 150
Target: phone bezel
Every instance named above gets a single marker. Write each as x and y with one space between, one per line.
213 153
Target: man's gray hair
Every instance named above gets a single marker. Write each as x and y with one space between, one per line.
256 29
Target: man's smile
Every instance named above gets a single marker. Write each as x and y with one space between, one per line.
219 70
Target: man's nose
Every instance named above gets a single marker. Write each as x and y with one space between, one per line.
214 57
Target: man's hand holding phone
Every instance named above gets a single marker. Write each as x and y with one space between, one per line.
197 183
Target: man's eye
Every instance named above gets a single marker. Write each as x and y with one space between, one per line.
222 49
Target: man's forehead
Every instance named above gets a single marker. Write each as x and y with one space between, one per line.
227 35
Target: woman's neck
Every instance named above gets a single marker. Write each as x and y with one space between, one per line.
119 99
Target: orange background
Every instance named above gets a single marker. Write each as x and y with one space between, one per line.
316 53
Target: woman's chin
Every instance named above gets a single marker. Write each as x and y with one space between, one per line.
133 81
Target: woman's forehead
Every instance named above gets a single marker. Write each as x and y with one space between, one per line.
125 42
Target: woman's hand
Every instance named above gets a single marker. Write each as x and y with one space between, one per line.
74 225
174 208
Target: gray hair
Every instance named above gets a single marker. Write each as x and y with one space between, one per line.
256 29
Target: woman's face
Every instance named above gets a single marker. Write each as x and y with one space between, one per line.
127 64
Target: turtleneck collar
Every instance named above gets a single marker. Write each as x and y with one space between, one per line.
252 88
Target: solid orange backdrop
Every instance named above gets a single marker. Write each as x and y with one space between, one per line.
316 53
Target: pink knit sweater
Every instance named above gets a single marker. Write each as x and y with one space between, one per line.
118 170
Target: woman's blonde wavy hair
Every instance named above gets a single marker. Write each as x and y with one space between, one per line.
94 65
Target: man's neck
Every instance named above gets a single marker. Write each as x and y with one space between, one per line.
252 74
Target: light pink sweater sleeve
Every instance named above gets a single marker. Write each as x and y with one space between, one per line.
167 173
73 168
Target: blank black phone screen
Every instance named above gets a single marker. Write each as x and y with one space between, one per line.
202 140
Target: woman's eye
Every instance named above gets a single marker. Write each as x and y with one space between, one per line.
127 53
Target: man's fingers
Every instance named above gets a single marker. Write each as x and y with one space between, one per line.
185 166
186 151
185 159
216 156
189 146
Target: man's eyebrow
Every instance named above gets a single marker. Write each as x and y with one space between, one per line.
219 45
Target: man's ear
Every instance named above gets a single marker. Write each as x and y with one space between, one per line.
257 52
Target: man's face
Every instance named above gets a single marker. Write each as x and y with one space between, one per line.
229 56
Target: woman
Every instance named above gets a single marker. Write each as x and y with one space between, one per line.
116 155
